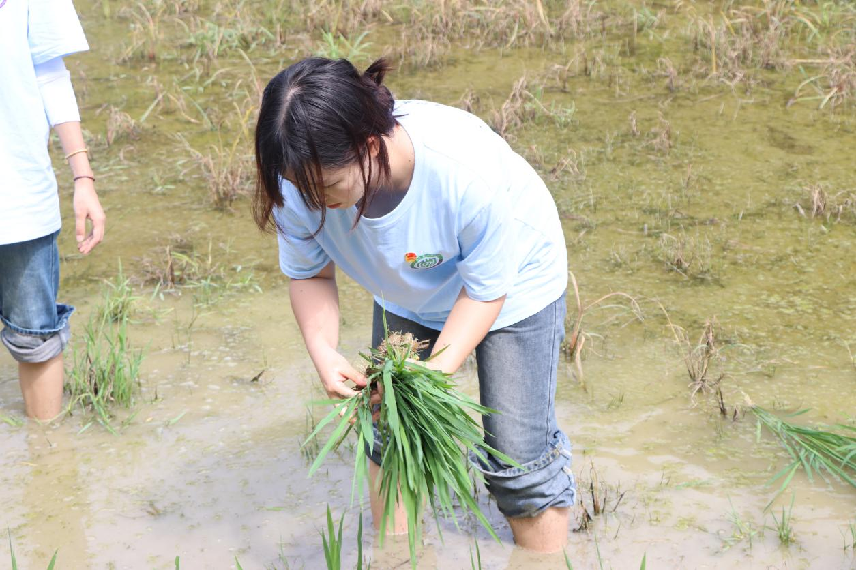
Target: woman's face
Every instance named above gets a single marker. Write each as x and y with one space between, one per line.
343 187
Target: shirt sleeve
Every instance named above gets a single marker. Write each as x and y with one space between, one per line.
54 30
487 249
300 255
57 93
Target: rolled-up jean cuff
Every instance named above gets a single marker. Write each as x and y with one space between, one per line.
528 490
32 346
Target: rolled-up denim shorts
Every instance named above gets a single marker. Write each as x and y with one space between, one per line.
35 327
517 368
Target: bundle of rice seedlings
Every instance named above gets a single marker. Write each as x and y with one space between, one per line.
815 450
425 427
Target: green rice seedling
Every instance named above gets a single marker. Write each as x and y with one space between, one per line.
333 542
360 545
423 423
118 300
852 528
741 529
815 450
784 530
476 563
310 449
51 564
105 370
337 46
12 551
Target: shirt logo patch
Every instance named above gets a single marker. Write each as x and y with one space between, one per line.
426 261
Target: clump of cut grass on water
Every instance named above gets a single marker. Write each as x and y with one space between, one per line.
105 368
815 450
424 423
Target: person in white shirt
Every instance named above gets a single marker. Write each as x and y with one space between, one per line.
457 238
37 95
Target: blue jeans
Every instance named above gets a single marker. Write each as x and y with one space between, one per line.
517 368
35 326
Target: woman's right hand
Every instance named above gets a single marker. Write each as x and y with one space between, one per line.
334 370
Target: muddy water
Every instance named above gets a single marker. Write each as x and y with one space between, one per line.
208 468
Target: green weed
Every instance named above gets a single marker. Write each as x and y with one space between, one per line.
105 368
784 530
117 301
337 46
333 542
14 562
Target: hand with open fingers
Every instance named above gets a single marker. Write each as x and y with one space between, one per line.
334 370
87 206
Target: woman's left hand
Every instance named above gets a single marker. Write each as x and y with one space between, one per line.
87 205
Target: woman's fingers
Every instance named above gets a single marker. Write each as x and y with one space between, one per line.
350 373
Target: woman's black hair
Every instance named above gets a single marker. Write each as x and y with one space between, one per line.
319 113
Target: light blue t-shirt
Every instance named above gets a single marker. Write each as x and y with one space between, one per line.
476 215
32 32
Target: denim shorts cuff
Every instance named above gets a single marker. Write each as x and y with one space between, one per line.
33 347
63 313
527 490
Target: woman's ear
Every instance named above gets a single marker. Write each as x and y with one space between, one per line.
373 146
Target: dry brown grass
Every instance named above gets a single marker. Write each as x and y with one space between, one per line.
120 126
688 255
523 106
700 358
819 202
577 338
834 84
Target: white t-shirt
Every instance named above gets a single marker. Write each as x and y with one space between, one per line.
476 215
31 33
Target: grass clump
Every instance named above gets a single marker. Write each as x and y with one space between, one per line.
424 423
105 368
784 529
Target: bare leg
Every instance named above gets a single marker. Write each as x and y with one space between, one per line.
400 526
41 385
546 532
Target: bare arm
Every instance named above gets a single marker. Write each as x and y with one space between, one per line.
467 324
315 302
86 203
